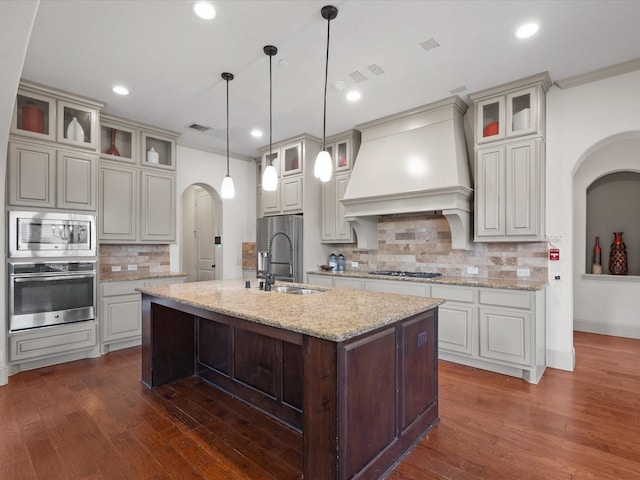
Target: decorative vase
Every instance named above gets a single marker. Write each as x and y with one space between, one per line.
32 118
75 131
618 255
596 267
153 156
112 150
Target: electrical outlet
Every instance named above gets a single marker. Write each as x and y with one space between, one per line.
472 270
354 264
523 272
132 267
116 269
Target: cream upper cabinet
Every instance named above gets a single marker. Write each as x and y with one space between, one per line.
44 177
510 161
137 190
77 180
343 149
52 150
293 160
118 219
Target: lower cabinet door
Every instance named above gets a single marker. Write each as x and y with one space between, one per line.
122 317
456 328
505 335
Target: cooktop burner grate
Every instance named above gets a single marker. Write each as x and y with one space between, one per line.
397 273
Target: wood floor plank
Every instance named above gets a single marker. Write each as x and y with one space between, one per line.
93 420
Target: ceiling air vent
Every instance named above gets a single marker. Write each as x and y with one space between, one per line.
429 44
357 76
198 127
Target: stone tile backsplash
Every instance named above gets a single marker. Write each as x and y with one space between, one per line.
423 244
148 258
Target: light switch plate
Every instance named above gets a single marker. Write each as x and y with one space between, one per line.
472 270
523 272
132 267
354 264
116 269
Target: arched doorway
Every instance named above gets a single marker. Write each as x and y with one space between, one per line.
606 304
200 255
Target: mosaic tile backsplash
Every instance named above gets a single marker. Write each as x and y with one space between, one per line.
423 244
148 258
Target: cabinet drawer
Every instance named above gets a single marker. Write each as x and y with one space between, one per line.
456 294
52 340
397 286
503 298
348 283
323 280
110 289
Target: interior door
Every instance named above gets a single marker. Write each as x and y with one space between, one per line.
205 245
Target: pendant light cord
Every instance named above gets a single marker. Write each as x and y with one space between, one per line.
227 126
326 75
270 115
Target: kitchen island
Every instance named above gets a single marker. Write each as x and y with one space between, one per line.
354 371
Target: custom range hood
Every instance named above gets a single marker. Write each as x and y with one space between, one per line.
412 162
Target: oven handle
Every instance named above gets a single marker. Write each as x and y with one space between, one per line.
50 277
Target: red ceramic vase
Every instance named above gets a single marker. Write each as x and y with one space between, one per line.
618 256
32 119
112 150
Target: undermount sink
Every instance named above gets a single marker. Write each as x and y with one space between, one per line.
294 290
304 291
284 288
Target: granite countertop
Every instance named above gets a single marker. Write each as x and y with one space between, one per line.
136 275
445 280
333 314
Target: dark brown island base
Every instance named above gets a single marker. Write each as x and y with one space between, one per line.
354 371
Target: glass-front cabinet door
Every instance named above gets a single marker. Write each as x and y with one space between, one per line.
34 115
342 159
157 151
77 125
292 156
522 113
490 119
118 142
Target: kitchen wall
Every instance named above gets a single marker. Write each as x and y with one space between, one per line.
580 121
423 243
14 39
207 169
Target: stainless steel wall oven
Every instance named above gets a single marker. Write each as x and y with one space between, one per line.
51 293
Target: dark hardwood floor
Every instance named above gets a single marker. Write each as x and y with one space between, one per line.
92 419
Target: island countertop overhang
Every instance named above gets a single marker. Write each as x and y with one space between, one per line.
334 314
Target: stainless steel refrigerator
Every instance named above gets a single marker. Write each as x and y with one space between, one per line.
281 236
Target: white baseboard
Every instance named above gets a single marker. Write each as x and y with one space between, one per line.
561 360
4 374
614 329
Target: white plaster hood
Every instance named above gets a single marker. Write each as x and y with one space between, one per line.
413 161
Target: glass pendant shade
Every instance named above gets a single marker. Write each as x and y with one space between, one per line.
227 190
323 167
270 179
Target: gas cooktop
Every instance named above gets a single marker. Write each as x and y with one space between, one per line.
397 273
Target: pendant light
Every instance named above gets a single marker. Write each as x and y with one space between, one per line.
324 165
270 176
227 190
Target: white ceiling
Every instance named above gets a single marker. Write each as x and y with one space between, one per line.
172 61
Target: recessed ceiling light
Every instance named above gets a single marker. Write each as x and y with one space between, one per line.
120 90
353 95
527 30
204 10
256 133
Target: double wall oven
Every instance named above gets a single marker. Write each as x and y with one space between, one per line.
52 269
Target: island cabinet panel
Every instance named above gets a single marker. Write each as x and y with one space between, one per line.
214 345
255 361
419 350
258 368
369 366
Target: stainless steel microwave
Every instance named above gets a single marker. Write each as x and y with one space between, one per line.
51 234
